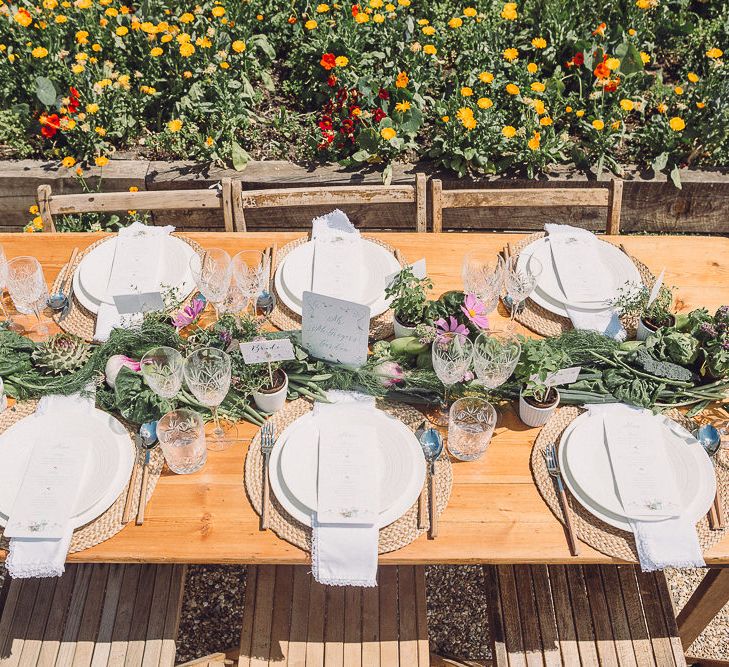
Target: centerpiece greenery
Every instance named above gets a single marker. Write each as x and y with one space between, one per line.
635 302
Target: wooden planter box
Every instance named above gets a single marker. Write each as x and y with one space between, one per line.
649 204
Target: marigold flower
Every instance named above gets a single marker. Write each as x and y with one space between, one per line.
465 115
509 12
455 22
512 89
388 133
511 54
23 17
598 124
376 4
310 24
538 106
615 125
470 12
612 64
600 30
39 52
714 53
101 161
218 11
186 50
430 49
676 124
121 30
402 80
175 125
187 18
539 43
580 113
645 57
486 77
700 105
466 91
378 18
602 71
532 68
61 18
545 121
82 37
692 77
678 90
484 103
626 105
661 108
92 107
156 52
428 30
100 131
96 47
538 87
402 107
568 109
445 119
341 61
646 4
403 3
68 162
362 17
535 141
328 61
322 8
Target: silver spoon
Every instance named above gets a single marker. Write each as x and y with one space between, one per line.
432 443
147 442
266 302
709 437
58 301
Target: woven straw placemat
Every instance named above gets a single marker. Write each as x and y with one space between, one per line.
546 323
286 319
109 523
395 536
594 531
79 321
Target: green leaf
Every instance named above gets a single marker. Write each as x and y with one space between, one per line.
267 80
676 176
261 41
387 175
45 91
660 162
361 156
240 156
630 60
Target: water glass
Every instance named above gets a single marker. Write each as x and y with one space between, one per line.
483 275
162 370
251 271
181 435
451 361
520 281
470 427
27 287
212 272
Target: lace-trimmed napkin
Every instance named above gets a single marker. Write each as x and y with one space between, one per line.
345 527
46 557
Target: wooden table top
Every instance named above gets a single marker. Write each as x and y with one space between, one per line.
495 514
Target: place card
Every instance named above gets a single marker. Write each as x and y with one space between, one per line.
335 330
655 290
146 302
263 351
49 489
418 268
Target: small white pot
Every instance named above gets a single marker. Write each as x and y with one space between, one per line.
272 401
642 331
401 330
534 416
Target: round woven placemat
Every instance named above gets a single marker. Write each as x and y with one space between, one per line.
79 321
546 323
395 536
594 531
286 319
110 522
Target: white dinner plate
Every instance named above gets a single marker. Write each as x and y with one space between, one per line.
585 464
293 472
294 273
91 278
109 464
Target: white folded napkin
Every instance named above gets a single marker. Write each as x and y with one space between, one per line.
670 542
338 269
345 530
38 557
136 267
584 278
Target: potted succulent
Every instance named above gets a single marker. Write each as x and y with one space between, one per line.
634 302
538 398
409 301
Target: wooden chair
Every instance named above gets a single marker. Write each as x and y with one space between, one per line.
331 197
610 197
581 615
94 615
289 619
50 205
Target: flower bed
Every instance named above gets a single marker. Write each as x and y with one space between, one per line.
488 87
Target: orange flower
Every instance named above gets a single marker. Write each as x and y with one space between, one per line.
600 30
602 71
402 80
328 61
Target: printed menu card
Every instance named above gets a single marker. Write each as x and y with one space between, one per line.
580 268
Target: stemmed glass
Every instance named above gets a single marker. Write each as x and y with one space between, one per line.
495 356
162 370
483 275
520 282
27 287
250 268
207 373
451 359
212 272
3 283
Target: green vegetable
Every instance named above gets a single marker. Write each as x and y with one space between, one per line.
661 369
137 402
672 345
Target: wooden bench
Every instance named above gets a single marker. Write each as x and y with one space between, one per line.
581 615
94 615
289 619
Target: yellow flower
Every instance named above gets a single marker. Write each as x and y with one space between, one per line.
692 77
532 68
484 103
615 125
310 24
612 64
96 47
82 56
186 50
224 65
535 141
646 4
676 124
715 53
545 121
217 11
403 3
39 52
92 107
83 4
430 49
512 89
598 124
678 90
376 4
68 162
568 109
470 12
539 43
538 106
187 74
33 210
508 131
661 108
579 113
101 161
455 22
509 11
362 17
428 30
203 42
100 131
187 18
50 4
209 141
61 18
121 30
378 18
133 188
486 77
423 22
156 52
82 37
645 57
402 107
700 105
149 28
511 54
402 80
445 119
341 61
632 32
322 8
77 68
111 11
174 125
465 115
466 91
388 133
626 105
165 38
538 87
23 17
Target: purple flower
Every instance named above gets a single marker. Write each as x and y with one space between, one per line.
468 376
390 373
447 330
475 310
707 329
189 313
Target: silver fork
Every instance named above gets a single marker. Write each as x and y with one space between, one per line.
268 438
550 458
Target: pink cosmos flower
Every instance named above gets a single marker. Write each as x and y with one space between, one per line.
446 330
475 310
189 313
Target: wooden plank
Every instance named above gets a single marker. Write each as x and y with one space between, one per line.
615 607
387 586
517 197
669 615
54 625
91 617
615 207
509 595
328 196
545 611
39 619
371 625
174 611
334 629
436 203
140 616
263 616
315 625
407 615
705 603
124 615
421 209
249 610
642 644
352 627
21 616
141 201
655 620
155 632
421 610
496 616
604 638
114 583
75 614
299 617
281 624
531 635
563 614
581 615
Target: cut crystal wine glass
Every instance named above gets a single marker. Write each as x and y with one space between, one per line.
250 268
521 281
27 287
483 275
162 370
212 272
451 360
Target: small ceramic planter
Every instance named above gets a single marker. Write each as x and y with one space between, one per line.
531 415
401 330
272 400
645 329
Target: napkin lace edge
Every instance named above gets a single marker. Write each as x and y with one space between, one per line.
32 569
329 581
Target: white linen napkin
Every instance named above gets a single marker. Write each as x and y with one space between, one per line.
136 267
344 549
33 557
338 269
671 542
576 255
